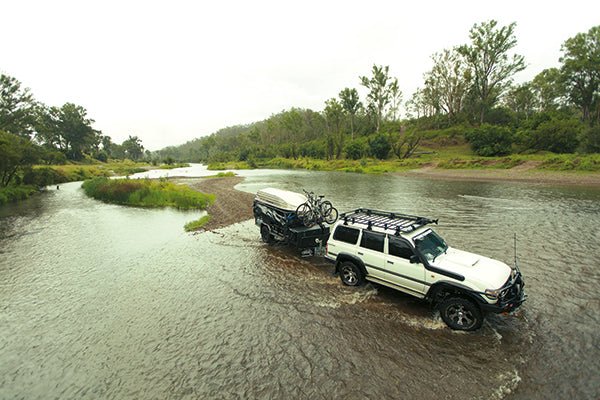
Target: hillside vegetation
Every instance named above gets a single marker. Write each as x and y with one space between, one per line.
468 114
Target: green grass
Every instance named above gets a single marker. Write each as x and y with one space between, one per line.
197 224
12 194
228 165
173 166
146 193
228 174
80 172
571 162
454 156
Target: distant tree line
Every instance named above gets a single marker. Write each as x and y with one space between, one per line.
470 90
34 133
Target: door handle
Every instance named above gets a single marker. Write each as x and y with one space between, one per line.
390 262
360 254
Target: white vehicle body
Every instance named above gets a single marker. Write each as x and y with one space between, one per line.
403 253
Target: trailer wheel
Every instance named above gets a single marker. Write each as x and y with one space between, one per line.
350 274
265 234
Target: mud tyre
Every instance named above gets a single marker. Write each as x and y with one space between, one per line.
461 314
265 234
350 274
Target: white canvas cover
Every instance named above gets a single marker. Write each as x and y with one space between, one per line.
279 198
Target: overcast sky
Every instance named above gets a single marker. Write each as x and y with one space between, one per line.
172 71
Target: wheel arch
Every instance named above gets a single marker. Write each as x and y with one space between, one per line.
352 258
442 290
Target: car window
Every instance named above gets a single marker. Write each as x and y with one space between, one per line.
346 234
400 248
372 240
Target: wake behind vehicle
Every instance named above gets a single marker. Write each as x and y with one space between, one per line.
404 253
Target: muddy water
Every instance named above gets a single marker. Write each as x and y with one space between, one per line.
101 301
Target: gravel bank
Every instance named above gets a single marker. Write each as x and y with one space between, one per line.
230 206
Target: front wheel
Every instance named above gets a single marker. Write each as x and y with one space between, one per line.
350 274
461 314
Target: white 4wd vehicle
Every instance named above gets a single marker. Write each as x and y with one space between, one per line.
402 252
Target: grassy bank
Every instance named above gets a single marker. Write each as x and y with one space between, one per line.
197 224
11 194
457 157
40 176
146 193
173 166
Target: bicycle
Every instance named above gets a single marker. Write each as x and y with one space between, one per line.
316 211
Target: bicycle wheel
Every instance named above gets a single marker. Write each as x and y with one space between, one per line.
305 214
329 212
332 216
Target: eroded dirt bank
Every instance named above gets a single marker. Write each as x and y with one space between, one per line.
230 206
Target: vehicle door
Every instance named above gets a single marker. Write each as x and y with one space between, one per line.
370 250
400 270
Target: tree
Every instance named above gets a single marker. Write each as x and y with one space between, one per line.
581 72
334 114
521 99
488 58
16 155
448 82
351 104
379 91
549 89
419 105
69 129
17 107
132 146
406 143
395 99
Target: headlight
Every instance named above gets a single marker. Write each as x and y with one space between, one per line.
492 293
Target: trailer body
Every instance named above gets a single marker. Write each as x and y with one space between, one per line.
275 213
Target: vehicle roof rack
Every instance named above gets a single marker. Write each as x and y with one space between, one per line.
386 220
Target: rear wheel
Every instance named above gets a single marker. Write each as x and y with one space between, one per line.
461 314
265 234
350 274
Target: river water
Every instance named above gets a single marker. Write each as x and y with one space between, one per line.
103 301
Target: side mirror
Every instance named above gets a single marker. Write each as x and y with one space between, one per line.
414 259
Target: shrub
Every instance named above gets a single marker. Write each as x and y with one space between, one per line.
355 150
380 146
590 139
490 140
146 193
555 135
11 194
43 176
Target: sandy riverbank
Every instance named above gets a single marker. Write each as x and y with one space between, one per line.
230 206
522 173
